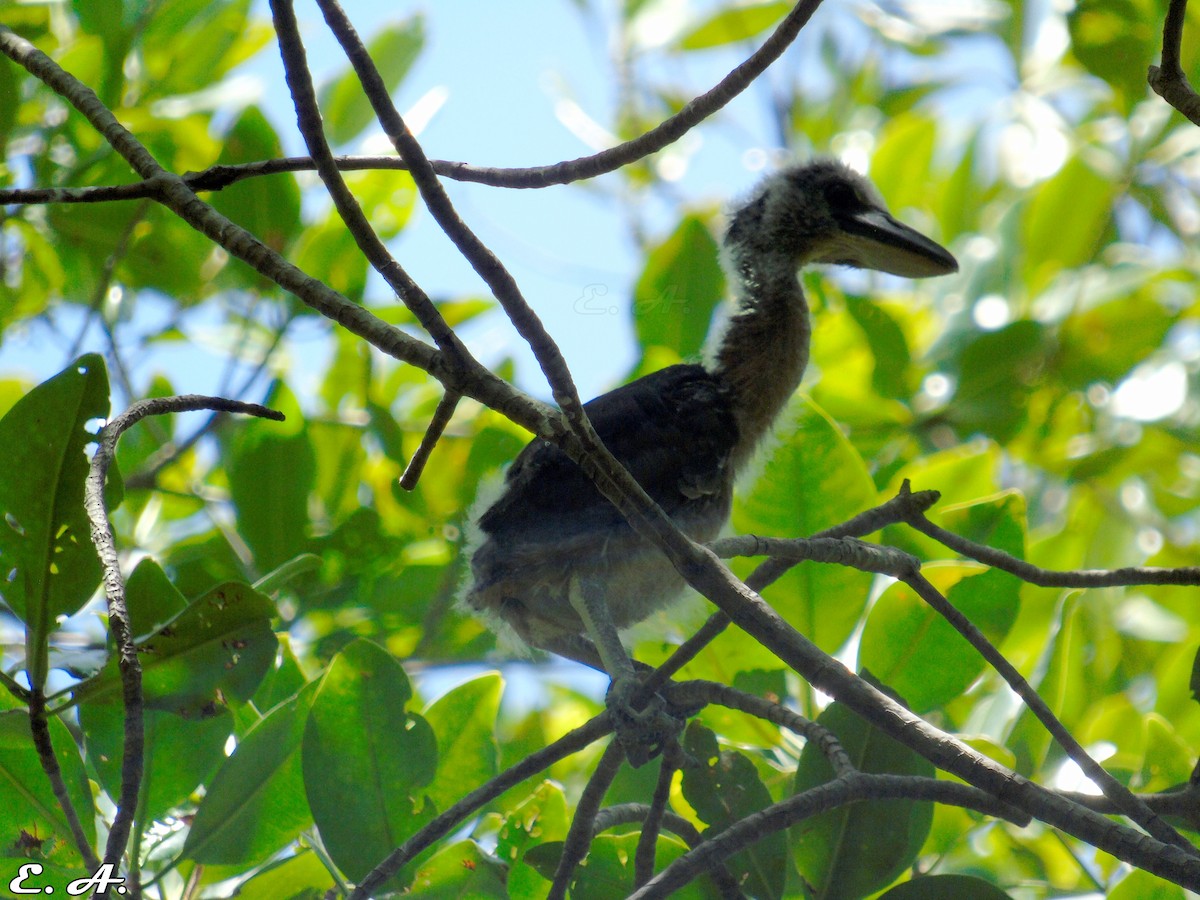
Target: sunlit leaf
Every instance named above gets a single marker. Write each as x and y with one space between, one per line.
394 49
255 804
360 734
853 850
47 561
465 723
735 23
682 283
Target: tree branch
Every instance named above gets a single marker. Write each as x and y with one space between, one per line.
1169 80
114 592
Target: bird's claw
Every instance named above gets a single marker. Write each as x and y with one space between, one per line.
642 731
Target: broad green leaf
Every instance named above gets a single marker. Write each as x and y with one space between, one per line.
917 653
676 294
216 649
284 680
255 804
48 565
995 373
1114 39
539 819
151 598
461 870
1078 195
299 877
609 870
900 166
946 887
272 470
852 851
723 788
732 24
891 376
267 207
1140 885
180 754
190 43
394 49
1105 342
359 734
811 479
464 721
26 798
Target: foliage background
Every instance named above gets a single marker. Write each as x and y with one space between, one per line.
1049 392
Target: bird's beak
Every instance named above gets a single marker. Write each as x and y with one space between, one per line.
872 239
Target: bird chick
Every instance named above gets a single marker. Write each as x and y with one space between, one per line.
551 558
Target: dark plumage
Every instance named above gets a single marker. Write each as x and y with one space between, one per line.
683 432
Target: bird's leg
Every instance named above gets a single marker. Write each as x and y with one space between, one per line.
641 731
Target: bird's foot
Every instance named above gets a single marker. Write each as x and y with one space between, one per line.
644 730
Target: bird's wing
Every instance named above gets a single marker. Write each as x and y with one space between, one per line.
673 430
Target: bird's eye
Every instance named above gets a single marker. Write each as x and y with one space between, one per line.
840 195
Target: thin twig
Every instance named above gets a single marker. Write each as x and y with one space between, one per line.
1126 800
1078 578
643 857
853 788
114 592
568 744
433 433
39 728
583 825
609 160
308 118
1169 80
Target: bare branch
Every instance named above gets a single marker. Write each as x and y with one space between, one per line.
853 788
583 824
1125 800
437 425
665 133
1169 80
40 730
114 592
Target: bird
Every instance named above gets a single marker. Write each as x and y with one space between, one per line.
552 560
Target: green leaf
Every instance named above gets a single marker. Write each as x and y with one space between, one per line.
464 721
995 373
608 871
1114 39
1106 342
1140 885
344 105
47 562
255 804
299 877
461 870
366 760
26 798
219 647
179 754
946 887
268 207
891 376
812 459
735 23
724 787
852 851
676 294
917 653
1078 195
272 470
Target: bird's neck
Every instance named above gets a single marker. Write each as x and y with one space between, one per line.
764 351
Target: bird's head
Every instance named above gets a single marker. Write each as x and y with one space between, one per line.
825 212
